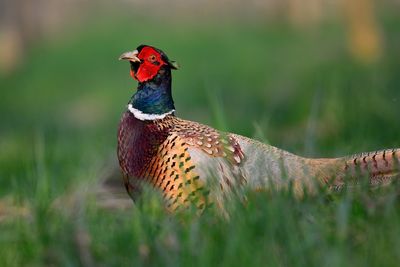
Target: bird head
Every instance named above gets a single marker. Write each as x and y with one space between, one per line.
146 61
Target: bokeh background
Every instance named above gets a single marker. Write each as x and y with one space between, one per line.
319 78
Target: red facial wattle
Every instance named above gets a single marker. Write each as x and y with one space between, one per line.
151 62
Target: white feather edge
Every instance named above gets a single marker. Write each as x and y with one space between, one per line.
147 117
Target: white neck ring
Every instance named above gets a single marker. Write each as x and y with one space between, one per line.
140 115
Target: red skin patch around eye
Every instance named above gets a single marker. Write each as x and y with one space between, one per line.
148 69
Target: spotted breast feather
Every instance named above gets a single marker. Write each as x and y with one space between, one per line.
191 163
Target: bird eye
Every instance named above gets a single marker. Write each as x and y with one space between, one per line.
152 58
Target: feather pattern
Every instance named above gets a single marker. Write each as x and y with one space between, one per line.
193 163
190 162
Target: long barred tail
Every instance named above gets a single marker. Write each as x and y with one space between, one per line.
380 167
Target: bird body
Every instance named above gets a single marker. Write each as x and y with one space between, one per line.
193 163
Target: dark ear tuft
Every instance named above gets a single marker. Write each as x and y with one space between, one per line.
140 47
173 64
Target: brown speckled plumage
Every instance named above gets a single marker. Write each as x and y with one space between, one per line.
157 152
194 163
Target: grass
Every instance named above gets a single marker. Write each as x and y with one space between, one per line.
298 89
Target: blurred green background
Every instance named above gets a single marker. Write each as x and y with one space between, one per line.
320 79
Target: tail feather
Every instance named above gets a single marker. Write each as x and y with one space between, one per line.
380 167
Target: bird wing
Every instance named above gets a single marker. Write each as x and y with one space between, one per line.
173 172
217 158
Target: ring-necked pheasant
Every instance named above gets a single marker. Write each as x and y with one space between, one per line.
191 162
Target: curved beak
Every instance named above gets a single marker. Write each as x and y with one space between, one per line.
131 56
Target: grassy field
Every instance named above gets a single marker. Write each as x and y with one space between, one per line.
296 89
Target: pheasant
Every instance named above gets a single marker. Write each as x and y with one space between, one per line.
189 162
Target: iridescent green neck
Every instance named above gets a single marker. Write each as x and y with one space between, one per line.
154 97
